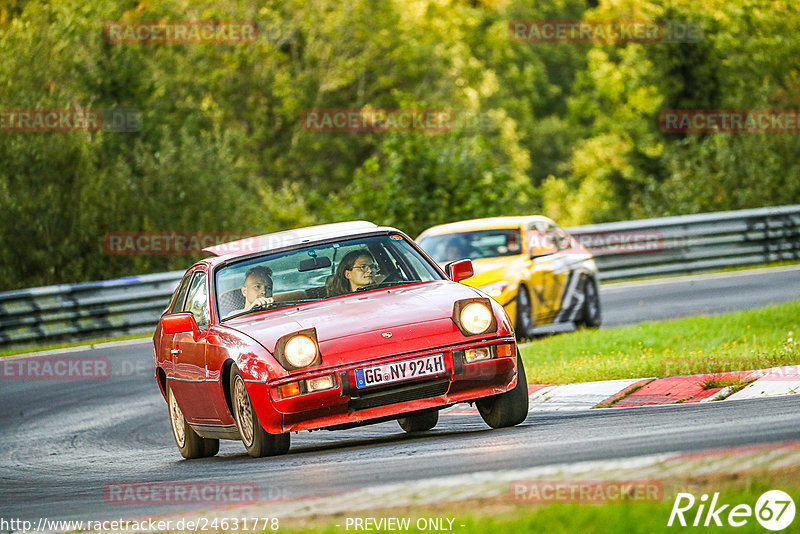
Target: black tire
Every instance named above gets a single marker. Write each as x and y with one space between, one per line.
419 422
189 443
509 408
523 325
591 315
256 440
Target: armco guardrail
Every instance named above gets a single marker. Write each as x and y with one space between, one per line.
629 249
130 305
690 243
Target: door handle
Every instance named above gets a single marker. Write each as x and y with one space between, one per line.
175 352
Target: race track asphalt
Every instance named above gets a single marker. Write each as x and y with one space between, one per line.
63 442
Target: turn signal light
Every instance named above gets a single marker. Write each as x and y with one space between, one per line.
504 350
292 389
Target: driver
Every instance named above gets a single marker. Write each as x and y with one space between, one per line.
257 288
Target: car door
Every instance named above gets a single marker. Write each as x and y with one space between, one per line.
166 341
565 289
189 378
541 279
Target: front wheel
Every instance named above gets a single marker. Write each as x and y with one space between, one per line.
419 422
509 408
189 443
256 440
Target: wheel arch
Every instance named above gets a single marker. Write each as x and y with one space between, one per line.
161 377
225 378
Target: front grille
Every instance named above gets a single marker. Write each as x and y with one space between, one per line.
395 395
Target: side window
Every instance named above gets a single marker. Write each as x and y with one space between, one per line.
177 304
197 299
560 238
538 236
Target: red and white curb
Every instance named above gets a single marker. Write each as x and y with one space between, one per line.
626 393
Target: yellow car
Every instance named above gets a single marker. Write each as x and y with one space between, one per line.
545 279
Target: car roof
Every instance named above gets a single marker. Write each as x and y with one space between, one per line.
488 223
289 238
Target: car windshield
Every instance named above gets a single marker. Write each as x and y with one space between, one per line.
473 245
320 271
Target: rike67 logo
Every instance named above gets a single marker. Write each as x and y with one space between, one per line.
774 510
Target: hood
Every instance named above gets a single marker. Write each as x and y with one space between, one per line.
352 328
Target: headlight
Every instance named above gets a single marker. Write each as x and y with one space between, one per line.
301 351
495 289
476 317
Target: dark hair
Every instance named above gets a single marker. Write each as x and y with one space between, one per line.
339 284
263 272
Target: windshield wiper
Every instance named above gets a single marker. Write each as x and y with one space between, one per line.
285 303
383 285
275 304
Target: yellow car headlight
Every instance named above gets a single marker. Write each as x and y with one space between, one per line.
495 289
300 351
476 317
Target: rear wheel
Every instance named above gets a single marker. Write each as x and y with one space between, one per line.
591 314
189 443
256 440
524 319
419 422
509 408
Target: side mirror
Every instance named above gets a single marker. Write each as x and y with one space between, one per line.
178 323
539 251
459 270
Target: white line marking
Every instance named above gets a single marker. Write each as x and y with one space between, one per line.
621 286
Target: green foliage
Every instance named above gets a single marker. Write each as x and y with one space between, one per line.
570 129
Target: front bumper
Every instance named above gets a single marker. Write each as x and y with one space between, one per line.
346 404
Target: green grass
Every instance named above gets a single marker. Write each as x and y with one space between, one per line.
501 516
738 341
95 341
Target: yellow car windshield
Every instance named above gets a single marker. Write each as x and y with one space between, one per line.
473 245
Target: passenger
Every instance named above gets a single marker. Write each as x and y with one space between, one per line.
257 288
357 269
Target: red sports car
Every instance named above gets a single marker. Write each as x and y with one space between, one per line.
329 327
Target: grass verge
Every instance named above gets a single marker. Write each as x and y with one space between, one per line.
737 341
502 515
66 345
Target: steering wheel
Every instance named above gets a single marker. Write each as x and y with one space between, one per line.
393 276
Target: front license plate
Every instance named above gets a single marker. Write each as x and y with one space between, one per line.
401 370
